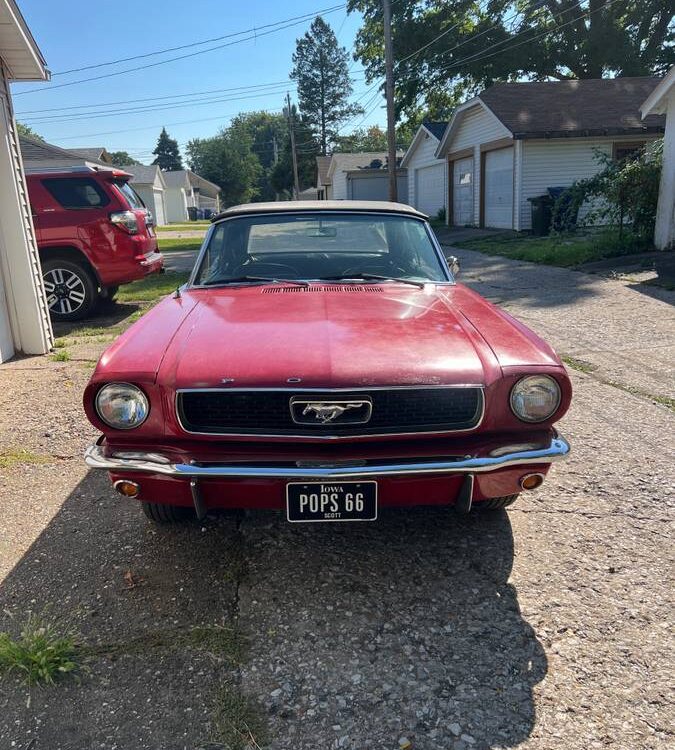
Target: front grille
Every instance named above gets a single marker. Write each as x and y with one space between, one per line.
268 412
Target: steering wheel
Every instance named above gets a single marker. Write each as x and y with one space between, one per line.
264 269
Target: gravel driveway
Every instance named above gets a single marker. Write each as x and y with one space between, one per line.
549 626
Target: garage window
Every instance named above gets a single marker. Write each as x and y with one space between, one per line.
76 192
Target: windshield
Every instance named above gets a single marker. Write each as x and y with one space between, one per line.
320 246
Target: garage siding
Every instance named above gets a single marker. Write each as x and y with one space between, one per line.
24 303
424 156
553 163
477 126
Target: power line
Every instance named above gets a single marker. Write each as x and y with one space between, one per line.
171 59
253 29
55 119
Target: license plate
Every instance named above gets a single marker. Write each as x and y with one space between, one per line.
339 501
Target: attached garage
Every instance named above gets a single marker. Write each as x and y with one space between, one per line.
24 319
515 140
427 175
373 185
498 188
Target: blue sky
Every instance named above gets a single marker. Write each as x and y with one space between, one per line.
83 33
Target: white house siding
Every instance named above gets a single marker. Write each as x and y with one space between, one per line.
176 204
423 158
23 307
558 163
477 125
339 186
664 236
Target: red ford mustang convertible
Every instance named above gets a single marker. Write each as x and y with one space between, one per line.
322 360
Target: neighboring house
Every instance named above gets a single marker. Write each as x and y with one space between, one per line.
37 155
515 140
322 183
205 194
149 183
185 189
363 176
426 173
176 196
309 194
24 316
98 154
662 102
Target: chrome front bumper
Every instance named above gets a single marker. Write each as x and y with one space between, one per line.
155 463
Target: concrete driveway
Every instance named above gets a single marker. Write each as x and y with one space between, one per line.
545 627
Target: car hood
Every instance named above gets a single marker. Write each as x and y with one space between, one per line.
326 337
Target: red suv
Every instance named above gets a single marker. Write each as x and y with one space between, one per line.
93 233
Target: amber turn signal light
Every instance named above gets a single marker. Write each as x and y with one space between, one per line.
531 481
127 488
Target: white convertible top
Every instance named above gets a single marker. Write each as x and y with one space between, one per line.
302 206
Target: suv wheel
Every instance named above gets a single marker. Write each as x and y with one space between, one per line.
71 290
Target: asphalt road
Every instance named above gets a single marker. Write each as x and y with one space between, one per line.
546 627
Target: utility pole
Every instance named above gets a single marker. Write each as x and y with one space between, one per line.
389 89
296 181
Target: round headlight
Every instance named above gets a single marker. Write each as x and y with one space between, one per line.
535 398
122 405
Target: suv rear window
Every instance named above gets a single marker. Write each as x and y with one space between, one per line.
77 192
133 198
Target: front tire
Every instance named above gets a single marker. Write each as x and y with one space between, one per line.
71 289
497 503
160 513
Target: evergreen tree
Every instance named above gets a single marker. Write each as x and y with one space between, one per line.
168 157
320 68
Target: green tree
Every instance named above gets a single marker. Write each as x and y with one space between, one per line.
320 67
363 139
227 160
23 129
122 159
307 149
444 51
267 133
167 153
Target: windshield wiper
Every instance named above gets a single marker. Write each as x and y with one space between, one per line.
372 277
258 279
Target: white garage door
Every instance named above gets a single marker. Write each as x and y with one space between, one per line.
158 212
430 189
462 192
499 189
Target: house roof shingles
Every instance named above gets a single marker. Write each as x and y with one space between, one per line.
436 128
96 154
141 174
606 106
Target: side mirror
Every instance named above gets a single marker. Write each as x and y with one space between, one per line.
453 262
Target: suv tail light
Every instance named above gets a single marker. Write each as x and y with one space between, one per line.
125 220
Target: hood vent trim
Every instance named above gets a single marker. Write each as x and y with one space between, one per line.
353 288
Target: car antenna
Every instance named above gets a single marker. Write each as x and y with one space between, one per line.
177 294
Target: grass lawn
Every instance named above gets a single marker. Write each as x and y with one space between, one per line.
560 250
172 245
195 226
152 288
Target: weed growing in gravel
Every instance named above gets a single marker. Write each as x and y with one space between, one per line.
40 653
578 364
237 723
61 343
220 641
61 356
14 457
